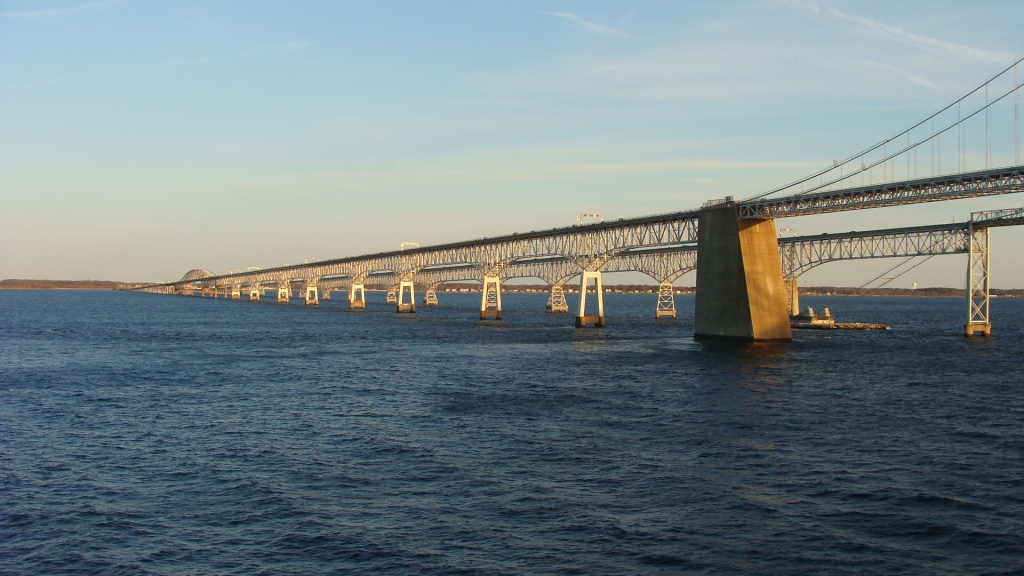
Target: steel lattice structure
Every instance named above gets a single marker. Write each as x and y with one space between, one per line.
951 187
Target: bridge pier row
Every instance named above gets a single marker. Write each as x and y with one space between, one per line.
357 297
406 287
582 319
312 298
666 302
490 301
284 292
556 301
741 294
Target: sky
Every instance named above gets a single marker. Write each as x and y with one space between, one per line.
141 139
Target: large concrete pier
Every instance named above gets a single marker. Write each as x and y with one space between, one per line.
740 291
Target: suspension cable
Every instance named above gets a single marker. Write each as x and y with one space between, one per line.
887 140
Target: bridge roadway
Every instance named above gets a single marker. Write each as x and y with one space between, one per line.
663 264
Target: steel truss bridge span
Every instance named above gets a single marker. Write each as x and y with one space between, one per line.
590 247
666 264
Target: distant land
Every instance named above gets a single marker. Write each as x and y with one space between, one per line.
15 284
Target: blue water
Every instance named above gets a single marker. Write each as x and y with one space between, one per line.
159 434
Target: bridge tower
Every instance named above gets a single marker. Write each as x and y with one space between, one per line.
740 291
490 303
978 282
582 319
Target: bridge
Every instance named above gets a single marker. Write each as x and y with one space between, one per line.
746 275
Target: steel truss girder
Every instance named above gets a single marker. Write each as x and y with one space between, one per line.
950 187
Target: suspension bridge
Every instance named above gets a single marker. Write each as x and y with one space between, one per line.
746 275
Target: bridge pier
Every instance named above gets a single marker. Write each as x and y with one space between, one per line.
556 301
406 287
666 301
741 294
254 294
430 297
490 302
284 291
325 294
793 296
357 296
582 319
978 283
236 292
392 297
312 296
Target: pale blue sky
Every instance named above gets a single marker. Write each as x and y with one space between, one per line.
139 139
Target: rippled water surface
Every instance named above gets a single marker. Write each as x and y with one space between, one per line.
158 434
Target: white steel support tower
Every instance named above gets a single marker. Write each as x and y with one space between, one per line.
978 283
401 305
490 301
430 297
556 301
582 319
312 298
666 301
357 296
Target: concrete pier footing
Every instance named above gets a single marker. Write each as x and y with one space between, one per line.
741 294
254 295
971 330
284 293
312 296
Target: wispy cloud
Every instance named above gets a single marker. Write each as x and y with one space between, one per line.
898 34
58 12
590 26
916 79
414 175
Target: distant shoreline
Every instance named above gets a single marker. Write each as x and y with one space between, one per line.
17 284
